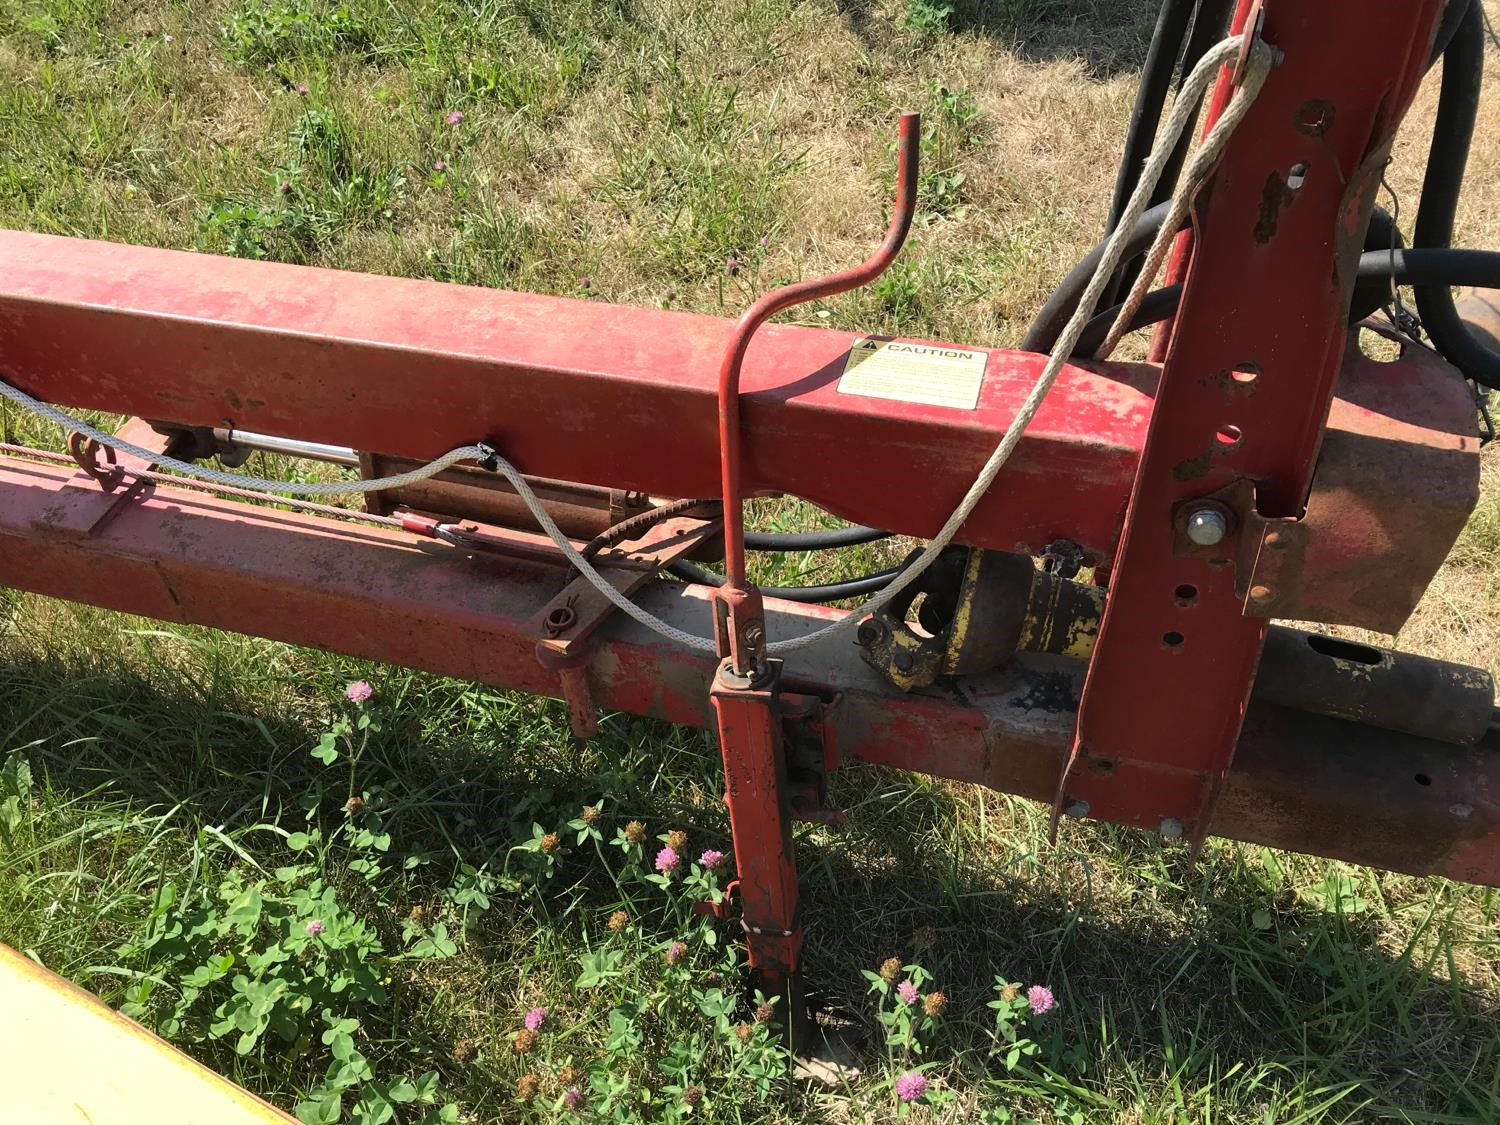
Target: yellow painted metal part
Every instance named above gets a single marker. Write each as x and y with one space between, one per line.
963 613
66 1058
1047 627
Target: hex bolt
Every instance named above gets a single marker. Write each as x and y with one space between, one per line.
904 662
1076 808
1207 526
1171 828
870 631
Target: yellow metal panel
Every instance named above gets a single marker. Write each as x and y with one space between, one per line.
66 1058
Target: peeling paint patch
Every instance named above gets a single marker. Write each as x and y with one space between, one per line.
1193 467
1273 197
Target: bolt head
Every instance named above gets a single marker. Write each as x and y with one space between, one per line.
1207 527
904 661
1171 828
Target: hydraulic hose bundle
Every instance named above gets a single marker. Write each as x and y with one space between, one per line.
1432 266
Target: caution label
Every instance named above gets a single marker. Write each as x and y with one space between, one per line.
905 372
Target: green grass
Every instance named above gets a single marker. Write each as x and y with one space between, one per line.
640 145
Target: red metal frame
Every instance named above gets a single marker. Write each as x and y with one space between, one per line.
627 398
1244 396
1299 782
568 389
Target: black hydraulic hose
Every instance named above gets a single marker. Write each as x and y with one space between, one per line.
1210 24
853 588
1058 310
1448 25
1377 271
1439 266
1150 96
1382 234
1452 132
829 539
1144 117
1157 305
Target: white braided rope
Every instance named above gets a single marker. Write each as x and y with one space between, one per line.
1184 108
1256 68
240 480
586 568
480 453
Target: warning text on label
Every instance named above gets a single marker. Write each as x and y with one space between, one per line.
930 374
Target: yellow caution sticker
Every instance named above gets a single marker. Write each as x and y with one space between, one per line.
906 372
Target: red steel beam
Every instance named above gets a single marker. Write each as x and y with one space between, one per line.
569 389
1298 781
1244 396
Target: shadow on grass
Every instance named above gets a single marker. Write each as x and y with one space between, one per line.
1109 37
1164 972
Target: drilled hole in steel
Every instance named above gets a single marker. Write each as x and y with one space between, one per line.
1314 117
1105 766
1423 779
1245 374
1341 649
1186 594
1380 349
1296 177
1173 639
1228 438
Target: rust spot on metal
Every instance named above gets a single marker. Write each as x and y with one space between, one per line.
1232 381
1273 197
1193 467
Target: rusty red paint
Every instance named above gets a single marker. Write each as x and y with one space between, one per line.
1167 686
567 389
1182 247
1398 477
580 391
571 617
1297 782
755 786
738 617
85 504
